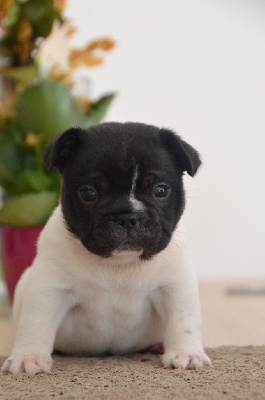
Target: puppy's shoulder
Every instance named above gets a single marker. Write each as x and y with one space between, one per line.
54 232
56 242
175 260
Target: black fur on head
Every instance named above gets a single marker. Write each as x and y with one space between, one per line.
122 185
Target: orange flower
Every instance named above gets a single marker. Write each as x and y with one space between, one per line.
92 45
106 44
30 140
58 73
101 44
90 60
59 5
24 51
8 106
4 6
3 68
86 56
71 29
83 103
25 31
83 57
24 38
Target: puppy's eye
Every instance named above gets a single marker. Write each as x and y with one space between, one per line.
88 194
161 191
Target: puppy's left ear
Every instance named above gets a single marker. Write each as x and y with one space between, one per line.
185 156
59 152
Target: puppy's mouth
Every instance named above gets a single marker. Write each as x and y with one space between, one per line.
110 239
127 254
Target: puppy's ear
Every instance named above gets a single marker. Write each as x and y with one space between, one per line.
58 153
185 156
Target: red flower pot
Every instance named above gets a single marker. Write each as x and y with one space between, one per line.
18 248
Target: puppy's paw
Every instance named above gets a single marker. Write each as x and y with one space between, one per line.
181 361
28 363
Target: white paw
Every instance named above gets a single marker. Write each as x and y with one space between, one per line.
28 363
181 361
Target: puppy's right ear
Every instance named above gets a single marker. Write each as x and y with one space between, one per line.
59 152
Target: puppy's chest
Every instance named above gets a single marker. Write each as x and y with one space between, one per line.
116 301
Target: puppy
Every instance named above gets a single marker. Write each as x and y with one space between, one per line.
112 273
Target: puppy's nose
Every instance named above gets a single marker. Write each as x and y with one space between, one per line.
127 220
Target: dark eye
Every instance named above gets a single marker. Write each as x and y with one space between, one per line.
161 191
88 194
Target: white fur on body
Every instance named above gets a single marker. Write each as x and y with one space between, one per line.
80 303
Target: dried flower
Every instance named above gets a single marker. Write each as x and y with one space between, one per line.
4 6
106 44
86 56
83 57
7 110
25 31
31 140
58 73
8 106
83 103
71 29
59 5
24 39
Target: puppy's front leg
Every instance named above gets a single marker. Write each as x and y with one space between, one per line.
43 309
183 337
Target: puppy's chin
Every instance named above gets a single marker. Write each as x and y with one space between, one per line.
125 256
144 249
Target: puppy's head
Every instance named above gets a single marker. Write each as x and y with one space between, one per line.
122 187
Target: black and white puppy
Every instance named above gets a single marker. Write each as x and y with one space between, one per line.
112 274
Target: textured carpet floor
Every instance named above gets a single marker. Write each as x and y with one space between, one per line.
237 373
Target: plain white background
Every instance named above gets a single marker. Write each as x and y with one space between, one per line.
198 67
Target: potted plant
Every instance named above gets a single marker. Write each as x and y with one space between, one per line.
37 103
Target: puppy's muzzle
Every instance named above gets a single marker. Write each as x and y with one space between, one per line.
125 231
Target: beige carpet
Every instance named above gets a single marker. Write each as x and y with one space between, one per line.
237 373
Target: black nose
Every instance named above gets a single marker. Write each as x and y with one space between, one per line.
127 220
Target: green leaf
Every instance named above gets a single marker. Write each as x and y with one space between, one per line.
31 209
5 51
99 108
10 158
44 26
23 74
57 16
5 176
13 14
37 9
31 181
48 108
42 15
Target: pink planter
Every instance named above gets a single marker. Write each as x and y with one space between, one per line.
18 248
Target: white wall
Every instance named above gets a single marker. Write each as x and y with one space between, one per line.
196 66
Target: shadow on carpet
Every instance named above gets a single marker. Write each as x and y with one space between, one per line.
236 373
